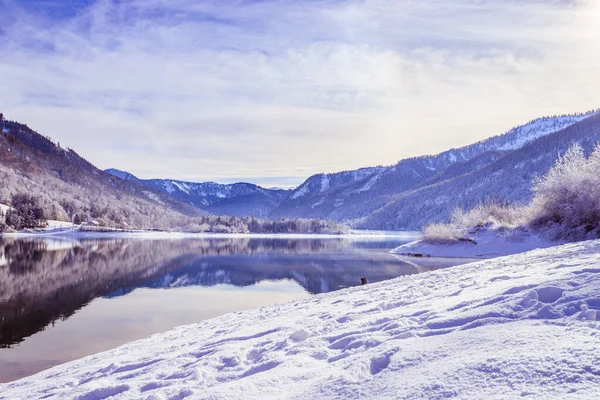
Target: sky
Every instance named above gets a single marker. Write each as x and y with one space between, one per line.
272 92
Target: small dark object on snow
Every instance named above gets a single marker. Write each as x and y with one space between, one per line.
363 281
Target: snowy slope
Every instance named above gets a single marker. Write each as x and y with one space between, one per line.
524 326
519 136
322 182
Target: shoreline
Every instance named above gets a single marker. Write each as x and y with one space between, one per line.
485 244
77 234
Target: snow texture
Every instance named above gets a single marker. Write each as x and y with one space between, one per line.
169 187
181 186
369 184
526 326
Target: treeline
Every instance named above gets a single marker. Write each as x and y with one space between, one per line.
220 224
26 212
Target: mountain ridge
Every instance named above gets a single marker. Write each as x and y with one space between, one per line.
67 185
373 197
252 200
507 179
350 201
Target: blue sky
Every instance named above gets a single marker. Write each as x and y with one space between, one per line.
274 91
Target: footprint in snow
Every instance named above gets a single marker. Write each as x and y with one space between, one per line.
104 393
299 336
549 294
379 363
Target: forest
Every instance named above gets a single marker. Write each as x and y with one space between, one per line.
27 212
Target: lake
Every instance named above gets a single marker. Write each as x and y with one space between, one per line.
63 299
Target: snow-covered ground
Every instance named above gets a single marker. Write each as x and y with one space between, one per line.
486 244
4 208
52 229
526 325
58 225
395 234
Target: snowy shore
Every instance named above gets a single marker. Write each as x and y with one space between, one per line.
526 325
68 231
483 244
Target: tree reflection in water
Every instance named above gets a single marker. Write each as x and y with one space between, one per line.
43 281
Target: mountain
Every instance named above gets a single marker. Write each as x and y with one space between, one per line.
238 199
68 186
412 193
357 196
508 179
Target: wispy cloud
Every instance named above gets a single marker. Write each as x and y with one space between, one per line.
270 90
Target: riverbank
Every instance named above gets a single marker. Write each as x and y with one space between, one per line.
423 336
479 244
72 232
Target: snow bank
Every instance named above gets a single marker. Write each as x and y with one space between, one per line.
486 243
58 225
52 229
521 326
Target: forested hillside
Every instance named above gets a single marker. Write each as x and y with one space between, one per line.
367 198
39 175
70 188
507 180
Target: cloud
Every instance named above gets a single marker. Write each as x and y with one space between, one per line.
278 90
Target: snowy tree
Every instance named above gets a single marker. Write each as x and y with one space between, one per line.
25 213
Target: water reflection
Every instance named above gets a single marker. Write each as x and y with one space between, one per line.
42 281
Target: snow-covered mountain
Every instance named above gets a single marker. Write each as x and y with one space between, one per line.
413 192
355 195
507 179
238 199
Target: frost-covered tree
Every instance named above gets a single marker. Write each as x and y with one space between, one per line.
25 212
567 199
565 204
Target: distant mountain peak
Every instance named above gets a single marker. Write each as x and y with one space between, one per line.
237 199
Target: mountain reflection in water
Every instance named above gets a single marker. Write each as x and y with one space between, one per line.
42 281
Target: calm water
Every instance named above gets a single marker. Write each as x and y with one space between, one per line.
64 299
